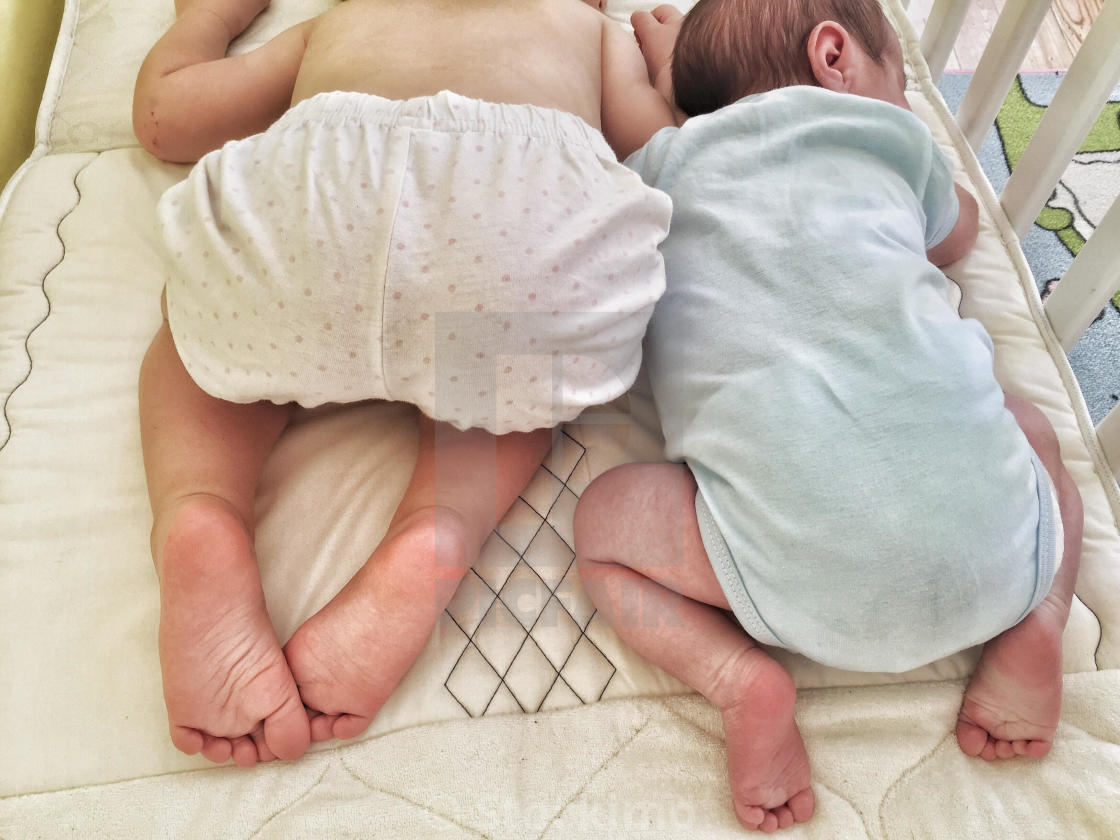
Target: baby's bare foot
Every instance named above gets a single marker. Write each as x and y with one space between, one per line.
1013 704
350 656
227 687
766 757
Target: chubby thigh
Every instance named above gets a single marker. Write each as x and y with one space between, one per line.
491 264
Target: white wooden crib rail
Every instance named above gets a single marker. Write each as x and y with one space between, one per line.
1094 276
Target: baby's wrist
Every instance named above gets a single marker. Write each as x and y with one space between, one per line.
663 82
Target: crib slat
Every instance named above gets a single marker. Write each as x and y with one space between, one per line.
1067 121
1108 433
1011 39
940 33
1089 283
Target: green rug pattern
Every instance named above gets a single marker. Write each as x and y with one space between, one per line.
1087 189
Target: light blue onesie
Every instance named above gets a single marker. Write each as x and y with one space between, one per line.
864 496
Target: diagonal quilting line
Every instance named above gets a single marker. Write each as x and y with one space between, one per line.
529 631
469 644
482 580
583 451
607 684
419 805
582 628
552 594
521 558
596 772
909 771
470 637
590 618
858 811
294 802
582 634
1100 630
564 664
1100 633
502 676
47 297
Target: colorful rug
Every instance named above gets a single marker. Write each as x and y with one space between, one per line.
1082 197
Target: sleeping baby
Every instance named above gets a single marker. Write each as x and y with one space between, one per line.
401 200
855 486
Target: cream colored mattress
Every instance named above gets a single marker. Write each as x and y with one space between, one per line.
525 716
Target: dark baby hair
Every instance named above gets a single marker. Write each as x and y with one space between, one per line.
728 49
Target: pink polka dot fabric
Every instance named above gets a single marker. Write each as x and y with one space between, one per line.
492 264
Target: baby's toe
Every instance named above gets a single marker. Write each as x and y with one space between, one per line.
216 749
750 816
187 740
322 727
287 730
244 751
971 738
785 816
264 753
802 804
350 726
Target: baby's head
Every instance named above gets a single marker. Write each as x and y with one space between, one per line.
728 49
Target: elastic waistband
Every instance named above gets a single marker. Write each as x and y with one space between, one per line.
448 112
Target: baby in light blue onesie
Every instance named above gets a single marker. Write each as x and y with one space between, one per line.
855 486
842 422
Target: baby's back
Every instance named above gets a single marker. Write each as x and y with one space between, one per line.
536 52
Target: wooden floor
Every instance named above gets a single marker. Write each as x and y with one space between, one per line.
1061 33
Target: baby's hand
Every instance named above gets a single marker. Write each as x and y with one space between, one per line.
237 14
656 32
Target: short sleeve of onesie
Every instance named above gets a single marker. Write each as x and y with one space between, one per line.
940 197
649 161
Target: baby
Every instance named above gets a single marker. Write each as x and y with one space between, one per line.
855 486
356 230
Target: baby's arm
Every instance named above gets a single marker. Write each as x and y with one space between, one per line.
633 110
190 98
963 235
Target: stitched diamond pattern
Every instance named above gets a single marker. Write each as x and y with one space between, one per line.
521 610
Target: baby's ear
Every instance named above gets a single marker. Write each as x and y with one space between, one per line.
832 56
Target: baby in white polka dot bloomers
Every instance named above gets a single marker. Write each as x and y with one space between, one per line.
355 230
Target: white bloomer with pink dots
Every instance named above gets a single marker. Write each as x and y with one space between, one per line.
492 264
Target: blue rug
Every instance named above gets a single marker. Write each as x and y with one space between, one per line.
1084 194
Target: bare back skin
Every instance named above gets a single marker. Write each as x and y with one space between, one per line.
191 96
522 52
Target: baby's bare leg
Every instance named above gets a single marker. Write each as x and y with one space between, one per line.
1013 703
350 656
227 687
642 561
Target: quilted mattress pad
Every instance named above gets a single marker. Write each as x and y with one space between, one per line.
525 716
